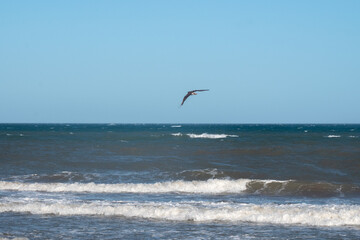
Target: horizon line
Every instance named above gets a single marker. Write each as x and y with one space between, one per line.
185 123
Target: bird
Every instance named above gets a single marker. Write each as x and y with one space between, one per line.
193 92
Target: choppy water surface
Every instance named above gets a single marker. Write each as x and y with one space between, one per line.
175 181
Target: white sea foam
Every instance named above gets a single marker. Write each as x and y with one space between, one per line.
209 187
205 135
333 136
212 186
176 134
299 214
210 136
15 238
176 126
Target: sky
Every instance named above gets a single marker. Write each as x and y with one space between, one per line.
84 61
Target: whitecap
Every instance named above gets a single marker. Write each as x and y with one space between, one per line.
176 126
176 134
333 136
210 136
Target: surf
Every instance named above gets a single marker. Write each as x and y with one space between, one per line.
209 187
296 214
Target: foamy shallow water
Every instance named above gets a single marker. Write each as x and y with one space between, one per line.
196 211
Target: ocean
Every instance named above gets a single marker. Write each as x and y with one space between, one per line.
179 181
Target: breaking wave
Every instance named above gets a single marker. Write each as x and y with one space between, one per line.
213 136
300 214
211 187
176 134
205 135
333 136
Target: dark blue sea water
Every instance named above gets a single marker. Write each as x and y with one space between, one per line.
179 181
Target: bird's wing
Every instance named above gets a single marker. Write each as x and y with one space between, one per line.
186 96
200 90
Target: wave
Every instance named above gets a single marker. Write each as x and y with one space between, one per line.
63 176
176 134
299 214
18 134
300 188
202 174
333 136
211 187
211 136
205 135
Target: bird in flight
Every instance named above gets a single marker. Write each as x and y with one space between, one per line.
193 92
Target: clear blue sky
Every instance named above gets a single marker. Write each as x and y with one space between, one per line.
72 61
